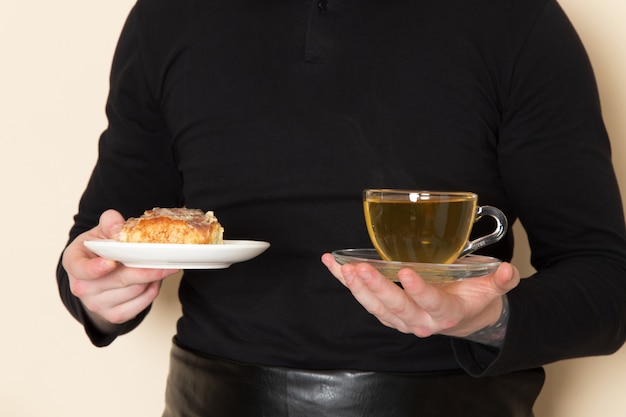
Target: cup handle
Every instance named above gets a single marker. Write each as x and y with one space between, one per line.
493 237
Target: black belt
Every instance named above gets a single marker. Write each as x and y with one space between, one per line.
199 386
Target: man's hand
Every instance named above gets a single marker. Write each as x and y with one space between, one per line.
111 293
459 308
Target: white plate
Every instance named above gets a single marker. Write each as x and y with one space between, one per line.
178 256
467 267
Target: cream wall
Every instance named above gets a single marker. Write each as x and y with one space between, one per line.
54 61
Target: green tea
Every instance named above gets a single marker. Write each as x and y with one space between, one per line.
434 230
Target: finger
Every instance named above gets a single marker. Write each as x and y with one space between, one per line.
506 277
81 263
429 297
124 277
378 295
333 266
432 309
103 301
119 306
127 276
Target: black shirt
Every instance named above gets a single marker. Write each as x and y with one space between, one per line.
276 115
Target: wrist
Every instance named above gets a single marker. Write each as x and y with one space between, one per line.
494 334
98 323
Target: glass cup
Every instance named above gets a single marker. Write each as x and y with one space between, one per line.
427 226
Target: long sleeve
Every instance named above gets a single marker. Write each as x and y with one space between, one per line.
135 169
555 160
495 97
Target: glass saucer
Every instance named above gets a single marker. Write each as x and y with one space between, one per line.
467 267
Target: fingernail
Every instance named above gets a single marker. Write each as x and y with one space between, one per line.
406 279
116 228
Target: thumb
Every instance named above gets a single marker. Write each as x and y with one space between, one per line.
506 277
110 224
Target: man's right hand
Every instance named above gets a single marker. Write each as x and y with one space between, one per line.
111 293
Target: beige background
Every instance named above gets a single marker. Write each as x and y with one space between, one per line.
54 62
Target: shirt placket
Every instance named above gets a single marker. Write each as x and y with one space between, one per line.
319 40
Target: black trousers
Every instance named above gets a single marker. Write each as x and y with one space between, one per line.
206 387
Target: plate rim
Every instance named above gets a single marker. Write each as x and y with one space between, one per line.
490 260
183 256
227 243
430 272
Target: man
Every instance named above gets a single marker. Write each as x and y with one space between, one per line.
276 116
